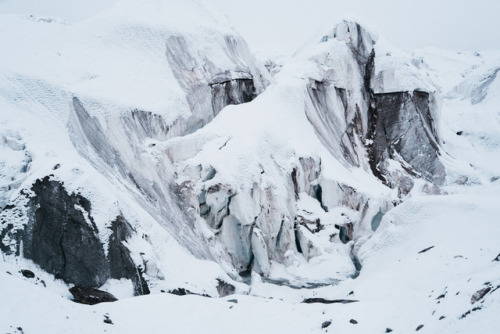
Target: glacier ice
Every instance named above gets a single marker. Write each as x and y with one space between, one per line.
177 150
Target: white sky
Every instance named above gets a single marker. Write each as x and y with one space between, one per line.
281 26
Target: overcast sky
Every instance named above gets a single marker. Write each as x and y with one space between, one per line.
281 26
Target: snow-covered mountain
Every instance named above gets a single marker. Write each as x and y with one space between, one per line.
353 188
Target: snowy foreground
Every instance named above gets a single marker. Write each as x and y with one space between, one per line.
354 188
398 288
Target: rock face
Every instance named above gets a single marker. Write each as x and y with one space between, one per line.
121 264
478 295
403 129
61 237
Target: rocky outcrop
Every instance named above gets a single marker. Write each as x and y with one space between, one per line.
90 296
60 236
225 289
478 295
120 262
403 130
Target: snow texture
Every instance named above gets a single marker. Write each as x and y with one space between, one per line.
142 152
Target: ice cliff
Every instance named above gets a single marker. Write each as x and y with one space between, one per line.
139 146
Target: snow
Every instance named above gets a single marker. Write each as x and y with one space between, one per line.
115 62
398 288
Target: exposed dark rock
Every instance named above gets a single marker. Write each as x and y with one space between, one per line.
478 295
495 289
459 133
352 321
180 292
224 288
470 311
61 236
402 128
90 296
121 264
107 320
442 317
369 68
425 250
497 258
388 330
27 273
328 301
326 324
185 292
419 327
235 301
8 207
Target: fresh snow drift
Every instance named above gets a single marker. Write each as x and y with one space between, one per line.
142 154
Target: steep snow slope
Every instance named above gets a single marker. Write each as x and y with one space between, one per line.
82 103
126 136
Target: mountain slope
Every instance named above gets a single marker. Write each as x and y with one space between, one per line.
143 154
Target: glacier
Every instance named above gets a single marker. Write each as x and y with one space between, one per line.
143 154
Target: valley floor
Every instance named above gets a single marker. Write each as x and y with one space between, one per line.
400 288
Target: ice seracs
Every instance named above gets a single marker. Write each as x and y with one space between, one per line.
185 167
